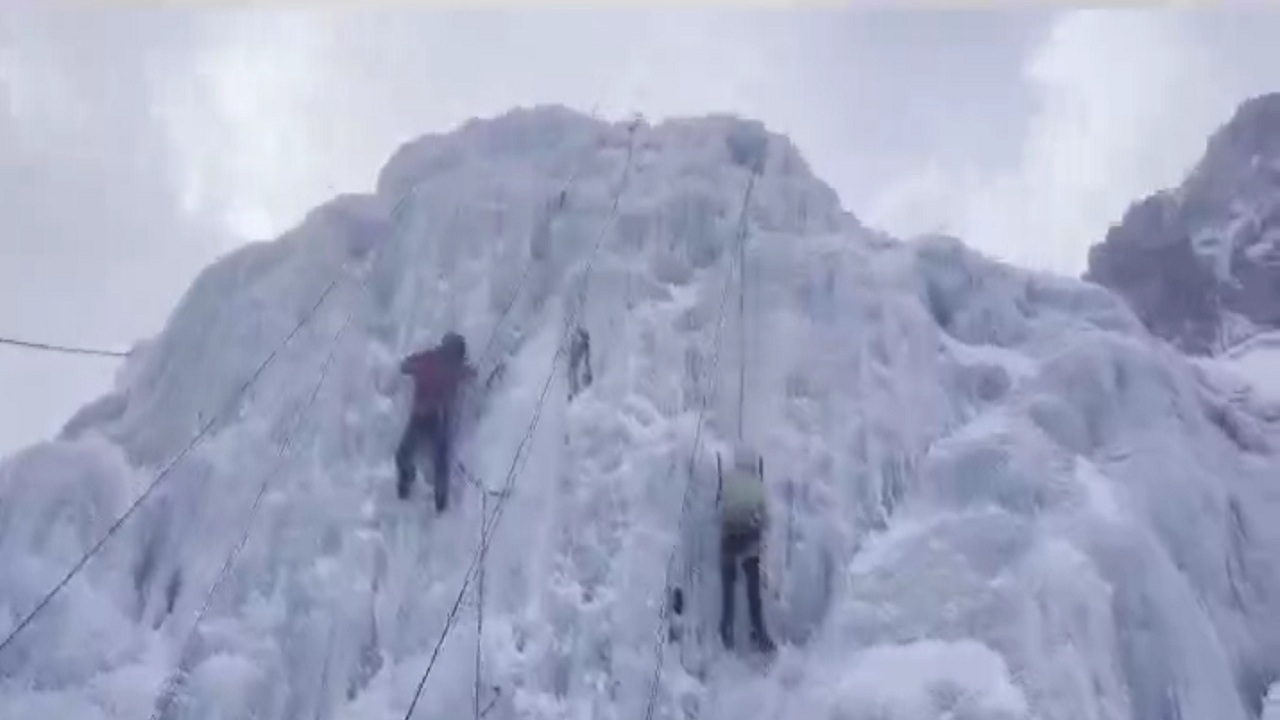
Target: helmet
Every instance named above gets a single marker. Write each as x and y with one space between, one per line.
454 346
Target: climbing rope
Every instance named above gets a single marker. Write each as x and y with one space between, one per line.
528 265
65 349
180 674
489 526
484 494
484 515
580 297
742 310
664 608
231 404
484 356
176 678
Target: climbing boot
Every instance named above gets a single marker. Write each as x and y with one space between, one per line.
762 642
442 495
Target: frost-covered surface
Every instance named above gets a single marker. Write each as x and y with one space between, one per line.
1249 374
1262 367
995 496
1201 265
1271 710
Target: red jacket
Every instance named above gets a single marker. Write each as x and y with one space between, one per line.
436 379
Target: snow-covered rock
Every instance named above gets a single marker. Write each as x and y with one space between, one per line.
1201 264
994 495
1248 375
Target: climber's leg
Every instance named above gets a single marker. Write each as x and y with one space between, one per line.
729 549
404 455
751 568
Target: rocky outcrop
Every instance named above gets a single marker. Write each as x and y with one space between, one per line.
1201 264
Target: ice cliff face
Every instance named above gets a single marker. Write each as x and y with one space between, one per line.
995 496
1201 264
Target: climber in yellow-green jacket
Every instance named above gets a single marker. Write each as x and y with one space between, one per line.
744 518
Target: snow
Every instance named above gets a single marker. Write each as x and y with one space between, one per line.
931 679
1271 709
1249 373
1262 368
1259 365
994 495
1263 251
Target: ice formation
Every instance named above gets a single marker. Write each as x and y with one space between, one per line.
996 496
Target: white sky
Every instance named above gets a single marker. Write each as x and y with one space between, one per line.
137 145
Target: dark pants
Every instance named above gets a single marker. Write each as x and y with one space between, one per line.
432 427
741 545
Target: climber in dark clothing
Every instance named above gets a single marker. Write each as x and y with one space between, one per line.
579 362
438 375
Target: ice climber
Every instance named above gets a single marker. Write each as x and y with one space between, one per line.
743 521
579 362
438 375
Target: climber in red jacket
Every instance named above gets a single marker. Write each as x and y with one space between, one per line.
438 375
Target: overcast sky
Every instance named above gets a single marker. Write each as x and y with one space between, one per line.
137 145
